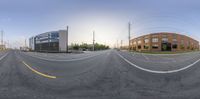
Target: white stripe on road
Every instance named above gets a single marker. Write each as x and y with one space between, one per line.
64 60
3 56
145 57
160 72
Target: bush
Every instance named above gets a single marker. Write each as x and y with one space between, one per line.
85 46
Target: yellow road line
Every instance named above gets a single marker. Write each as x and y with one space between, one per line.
37 72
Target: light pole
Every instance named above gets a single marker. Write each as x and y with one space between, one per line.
25 43
93 39
67 39
121 43
49 42
129 35
2 45
117 45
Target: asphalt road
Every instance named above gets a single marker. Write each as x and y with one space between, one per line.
102 75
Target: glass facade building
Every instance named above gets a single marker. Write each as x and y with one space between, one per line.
54 41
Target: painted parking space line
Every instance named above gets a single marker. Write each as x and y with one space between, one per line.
3 56
133 54
147 58
37 72
159 72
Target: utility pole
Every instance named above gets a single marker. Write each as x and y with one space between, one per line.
93 39
8 44
25 43
121 43
129 35
67 39
117 44
48 50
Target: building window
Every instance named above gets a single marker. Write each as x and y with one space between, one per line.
139 42
146 41
165 39
134 48
139 46
164 35
174 40
174 46
154 35
154 40
174 36
134 43
182 42
155 46
182 46
187 43
146 47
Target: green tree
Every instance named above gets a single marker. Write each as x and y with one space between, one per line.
75 47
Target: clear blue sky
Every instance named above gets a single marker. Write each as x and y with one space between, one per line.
22 19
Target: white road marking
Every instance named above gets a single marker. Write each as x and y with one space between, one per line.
168 60
3 56
159 72
133 54
83 58
145 57
173 54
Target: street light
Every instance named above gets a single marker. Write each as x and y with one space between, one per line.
129 35
67 39
93 39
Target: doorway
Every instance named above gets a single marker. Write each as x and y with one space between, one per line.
166 46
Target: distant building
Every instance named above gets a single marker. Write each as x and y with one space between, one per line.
2 47
24 48
164 42
32 43
54 41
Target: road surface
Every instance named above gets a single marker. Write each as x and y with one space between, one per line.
102 75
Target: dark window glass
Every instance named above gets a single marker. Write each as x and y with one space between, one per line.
174 46
155 46
139 46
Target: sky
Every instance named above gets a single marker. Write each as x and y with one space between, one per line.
22 19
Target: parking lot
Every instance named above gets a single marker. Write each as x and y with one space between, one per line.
162 62
63 56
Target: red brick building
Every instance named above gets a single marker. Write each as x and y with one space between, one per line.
164 42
